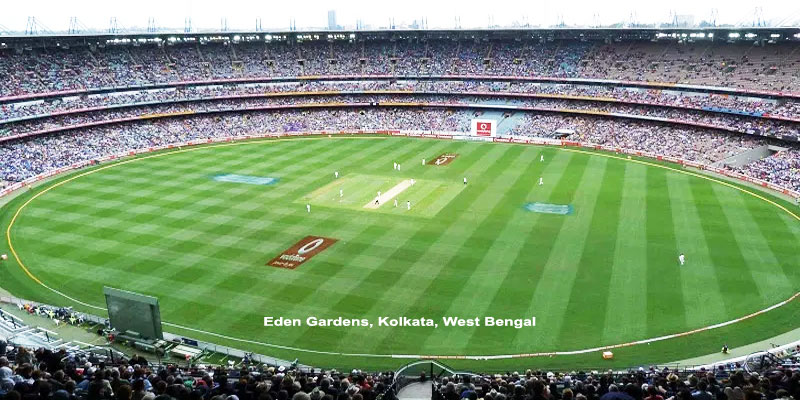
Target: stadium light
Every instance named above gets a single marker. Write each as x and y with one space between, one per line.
733 35
775 35
750 35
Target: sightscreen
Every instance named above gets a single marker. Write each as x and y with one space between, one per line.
133 313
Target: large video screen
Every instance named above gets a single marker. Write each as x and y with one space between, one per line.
133 313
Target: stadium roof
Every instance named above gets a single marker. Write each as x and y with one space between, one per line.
732 34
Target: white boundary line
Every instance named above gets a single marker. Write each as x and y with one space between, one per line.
402 356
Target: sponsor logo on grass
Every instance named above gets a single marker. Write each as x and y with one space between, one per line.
301 252
443 159
547 208
250 180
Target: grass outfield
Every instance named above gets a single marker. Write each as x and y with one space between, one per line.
605 274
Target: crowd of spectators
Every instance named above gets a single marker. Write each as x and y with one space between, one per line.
218 107
771 67
721 383
47 374
36 155
781 168
729 122
685 99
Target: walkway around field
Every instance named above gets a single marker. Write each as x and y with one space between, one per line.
416 391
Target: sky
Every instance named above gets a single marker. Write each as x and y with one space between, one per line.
54 15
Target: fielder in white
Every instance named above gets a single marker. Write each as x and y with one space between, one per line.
341 193
423 161
394 166
541 158
682 259
308 207
465 180
395 203
408 205
336 174
541 181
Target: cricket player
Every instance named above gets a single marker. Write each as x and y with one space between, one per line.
341 193
308 207
423 161
465 180
541 181
408 205
682 259
379 193
541 158
395 166
336 174
398 166
395 203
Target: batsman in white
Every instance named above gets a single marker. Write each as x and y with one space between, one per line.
682 259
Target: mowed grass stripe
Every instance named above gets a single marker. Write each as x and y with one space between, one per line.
627 287
550 301
740 291
453 272
702 298
590 297
665 303
497 274
783 238
757 254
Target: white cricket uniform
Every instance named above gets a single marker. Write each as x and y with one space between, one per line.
541 181
395 202
408 205
341 193
336 174
423 161
682 259
308 207
465 180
